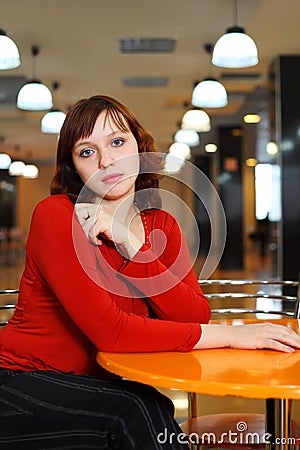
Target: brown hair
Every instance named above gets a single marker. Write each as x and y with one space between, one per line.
79 123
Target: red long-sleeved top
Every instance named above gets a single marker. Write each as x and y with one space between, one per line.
76 298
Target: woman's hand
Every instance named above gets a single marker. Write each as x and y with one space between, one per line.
98 224
250 336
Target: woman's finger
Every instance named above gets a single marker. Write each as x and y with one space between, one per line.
274 344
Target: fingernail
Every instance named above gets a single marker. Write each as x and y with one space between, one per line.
290 349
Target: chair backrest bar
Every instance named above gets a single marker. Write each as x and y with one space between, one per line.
293 301
297 306
6 306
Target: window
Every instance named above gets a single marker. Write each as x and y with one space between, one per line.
267 192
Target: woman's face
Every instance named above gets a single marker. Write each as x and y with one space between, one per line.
107 160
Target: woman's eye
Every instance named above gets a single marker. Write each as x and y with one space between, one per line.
86 152
117 142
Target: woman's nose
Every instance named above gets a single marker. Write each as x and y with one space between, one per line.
105 160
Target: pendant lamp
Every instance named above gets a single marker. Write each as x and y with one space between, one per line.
53 119
34 95
209 93
173 163
211 147
180 150
235 49
272 148
189 137
16 168
30 171
9 53
5 161
197 120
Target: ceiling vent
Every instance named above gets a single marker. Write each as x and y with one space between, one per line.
145 45
241 76
9 88
145 81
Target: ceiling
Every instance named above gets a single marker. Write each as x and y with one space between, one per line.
79 48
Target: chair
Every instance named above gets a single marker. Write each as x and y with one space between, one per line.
7 307
265 299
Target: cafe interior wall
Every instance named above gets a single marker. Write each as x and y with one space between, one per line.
29 193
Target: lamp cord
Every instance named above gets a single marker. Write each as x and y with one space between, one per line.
235 13
34 52
208 49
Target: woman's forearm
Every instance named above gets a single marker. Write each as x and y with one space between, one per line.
251 336
214 336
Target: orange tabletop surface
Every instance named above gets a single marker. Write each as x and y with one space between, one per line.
244 373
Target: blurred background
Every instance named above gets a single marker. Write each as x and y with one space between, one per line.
151 56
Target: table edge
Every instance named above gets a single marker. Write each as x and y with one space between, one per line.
202 387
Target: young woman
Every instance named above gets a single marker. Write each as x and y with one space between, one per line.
106 269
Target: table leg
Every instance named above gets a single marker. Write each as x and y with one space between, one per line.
270 422
278 413
192 412
192 401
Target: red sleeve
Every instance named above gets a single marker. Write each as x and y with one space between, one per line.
50 251
162 272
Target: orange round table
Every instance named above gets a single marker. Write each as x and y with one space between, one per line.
222 371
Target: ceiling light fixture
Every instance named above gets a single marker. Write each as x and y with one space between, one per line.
5 161
197 120
211 148
272 148
180 150
30 171
235 48
173 164
34 95
209 93
53 119
251 118
189 137
251 162
16 168
9 53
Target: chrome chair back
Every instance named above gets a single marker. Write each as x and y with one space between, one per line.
8 299
270 297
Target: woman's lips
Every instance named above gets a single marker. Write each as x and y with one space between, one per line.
112 178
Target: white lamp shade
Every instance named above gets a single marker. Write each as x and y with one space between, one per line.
272 148
52 121
251 118
5 161
16 168
209 93
9 53
180 150
30 171
173 163
211 148
34 96
197 120
189 137
235 49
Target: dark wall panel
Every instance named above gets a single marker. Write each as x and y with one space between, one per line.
231 194
287 74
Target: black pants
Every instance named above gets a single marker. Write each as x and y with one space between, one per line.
47 410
